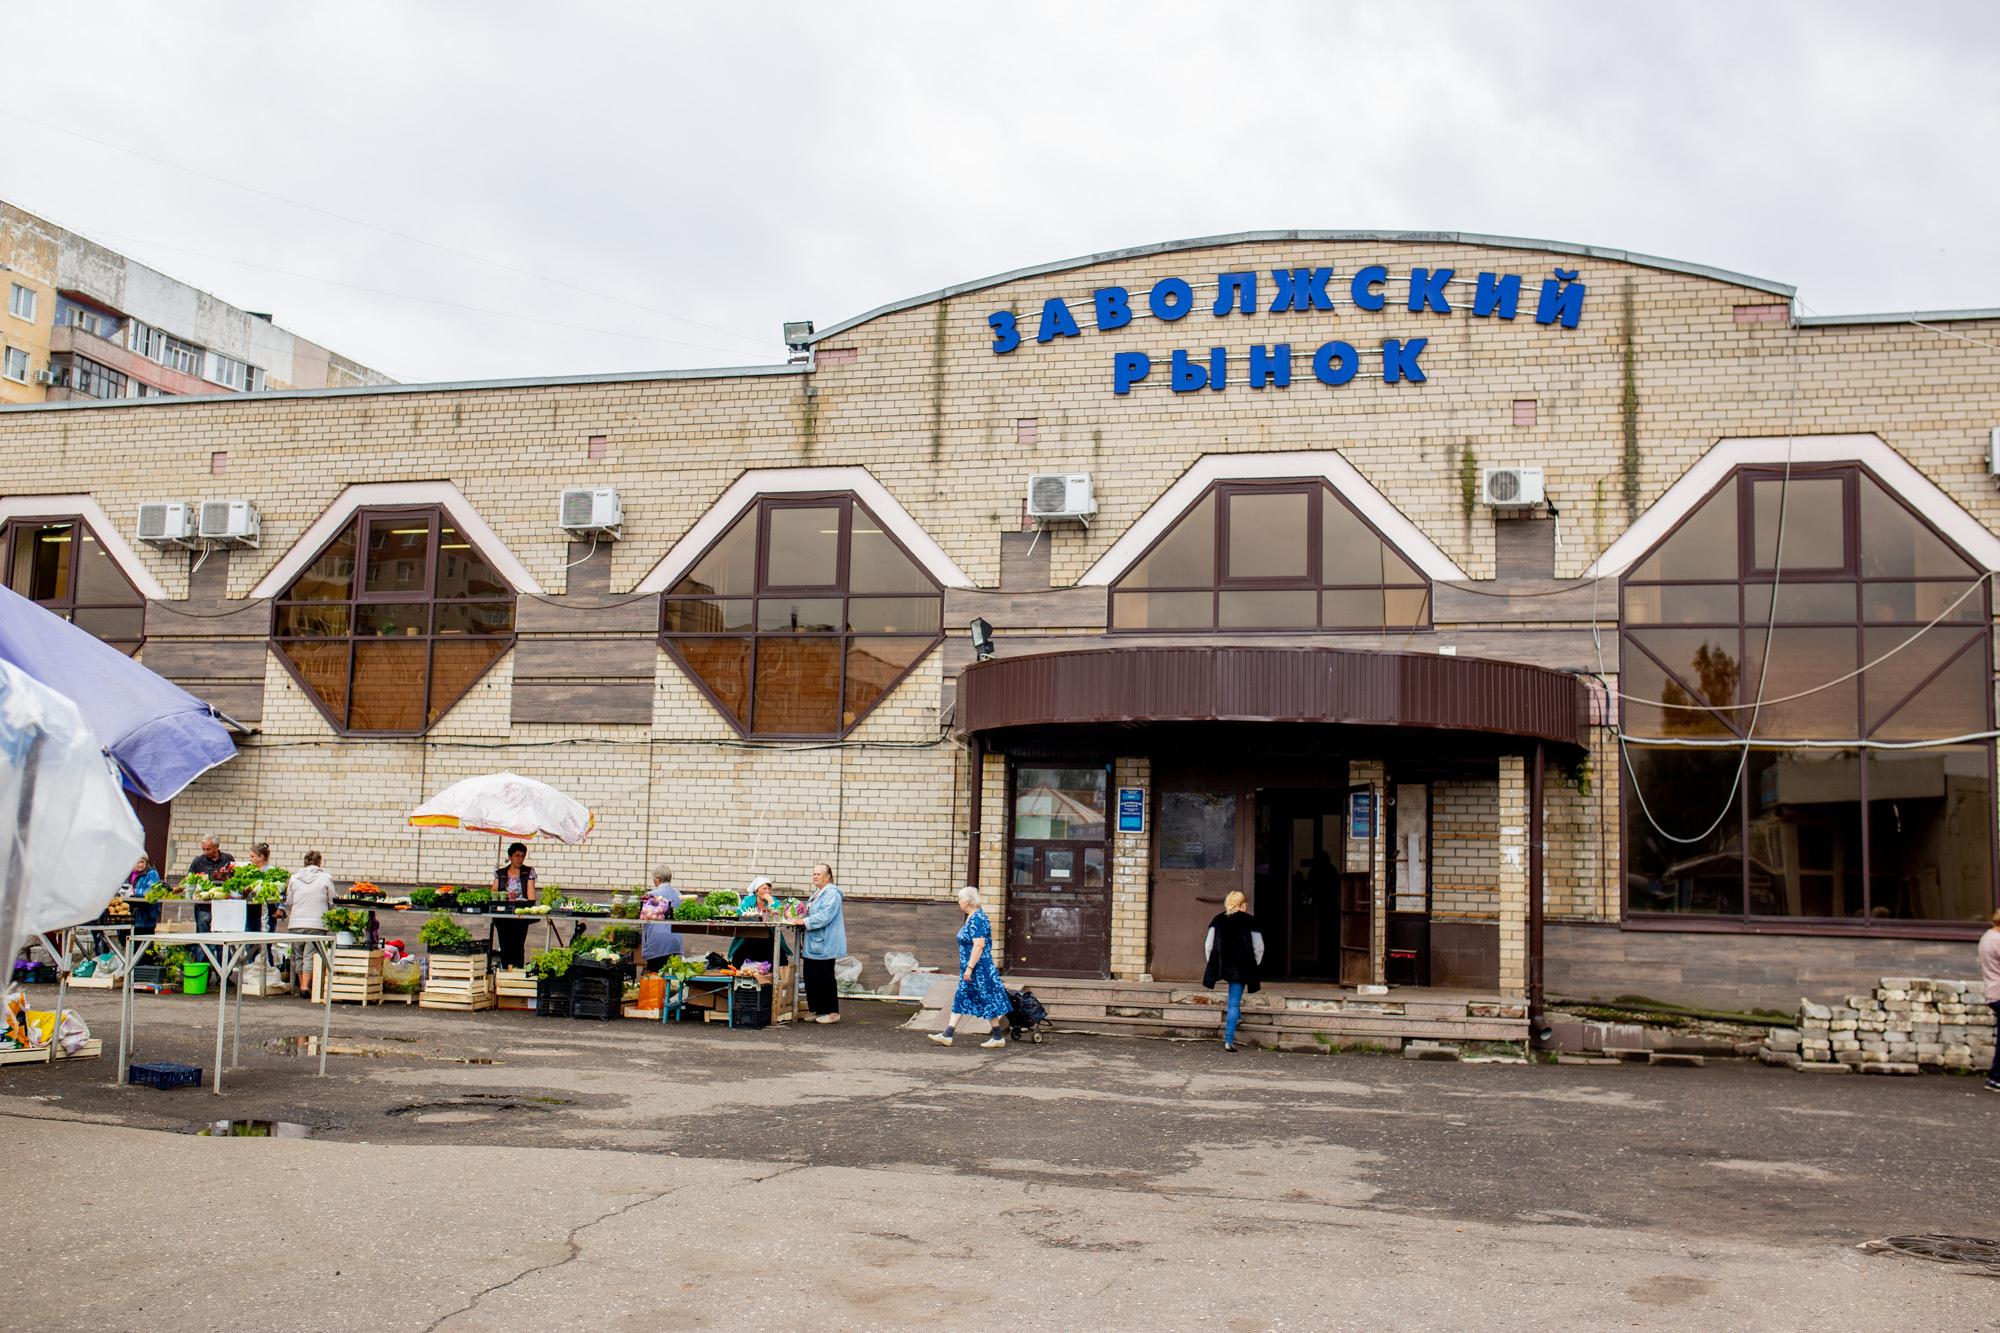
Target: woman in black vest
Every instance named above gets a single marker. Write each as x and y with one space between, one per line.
1235 950
514 881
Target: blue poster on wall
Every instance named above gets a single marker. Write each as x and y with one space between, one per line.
1360 815
1131 809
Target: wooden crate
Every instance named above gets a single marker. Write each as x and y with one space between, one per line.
357 977
40 1054
95 982
513 988
459 982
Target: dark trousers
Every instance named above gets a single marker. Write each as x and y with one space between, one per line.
822 997
510 941
1994 1073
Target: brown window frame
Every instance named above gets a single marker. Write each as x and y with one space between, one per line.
840 590
363 520
1320 493
67 607
1851 573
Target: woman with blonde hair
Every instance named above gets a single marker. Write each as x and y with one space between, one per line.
1235 951
979 993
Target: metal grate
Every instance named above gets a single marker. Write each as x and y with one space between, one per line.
1972 1252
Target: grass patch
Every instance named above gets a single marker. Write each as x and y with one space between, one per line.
1639 1009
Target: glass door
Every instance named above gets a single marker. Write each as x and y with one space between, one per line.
1058 890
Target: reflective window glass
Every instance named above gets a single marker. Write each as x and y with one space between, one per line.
1814 512
1269 610
1268 536
1055 804
1702 547
428 619
802 546
1184 558
1197 830
812 663
1895 543
1930 841
1163 610
61 565
1681 604
1805 833
1684 792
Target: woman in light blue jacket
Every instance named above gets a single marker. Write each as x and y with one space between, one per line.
826 940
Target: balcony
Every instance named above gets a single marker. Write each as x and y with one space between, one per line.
69 338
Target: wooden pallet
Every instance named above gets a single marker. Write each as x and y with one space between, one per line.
357 977
40 1055
513 988
459 982
95 982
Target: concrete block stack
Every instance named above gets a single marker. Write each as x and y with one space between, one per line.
1906 1025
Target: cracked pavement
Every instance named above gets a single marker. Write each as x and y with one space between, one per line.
498 1171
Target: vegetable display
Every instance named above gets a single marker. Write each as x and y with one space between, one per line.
691 910
473 898
441 934
424 898
352 919
551 962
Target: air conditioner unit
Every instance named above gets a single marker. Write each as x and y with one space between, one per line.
591 511
45 377
1511 487
1993 452
165 522
235 522
1060 495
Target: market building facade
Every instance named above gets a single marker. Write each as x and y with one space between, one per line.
1708 718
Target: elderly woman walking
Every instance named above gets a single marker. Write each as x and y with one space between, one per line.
979 993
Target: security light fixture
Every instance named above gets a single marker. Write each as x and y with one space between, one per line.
982 639
798 334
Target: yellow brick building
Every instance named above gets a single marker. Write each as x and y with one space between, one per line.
1295 628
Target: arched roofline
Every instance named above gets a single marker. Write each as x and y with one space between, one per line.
1255 237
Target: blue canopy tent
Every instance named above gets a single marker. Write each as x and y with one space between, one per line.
160 736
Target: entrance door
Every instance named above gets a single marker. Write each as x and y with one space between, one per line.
1201 852
1306 834
1058 891
1409 931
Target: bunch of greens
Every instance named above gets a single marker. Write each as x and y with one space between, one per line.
161 892
270 885
691 910
201 887
551 962
346 918
425 899
551 895
443 935
475 897
680 969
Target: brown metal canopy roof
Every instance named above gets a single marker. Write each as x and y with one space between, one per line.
1248 684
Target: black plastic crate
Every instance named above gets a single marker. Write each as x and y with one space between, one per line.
164 1075
552 997
749 1005
596 997
41 974
147 974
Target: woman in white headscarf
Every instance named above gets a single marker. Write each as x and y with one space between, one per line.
758 901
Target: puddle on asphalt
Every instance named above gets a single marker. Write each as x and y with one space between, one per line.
474 1106
309 1046
255 1129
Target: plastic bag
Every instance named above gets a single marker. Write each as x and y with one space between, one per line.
72 1033
898 964
402 975
847 973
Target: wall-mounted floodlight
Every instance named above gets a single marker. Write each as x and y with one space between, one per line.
982 639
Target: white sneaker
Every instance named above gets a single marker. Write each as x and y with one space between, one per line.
941 1038
994 1042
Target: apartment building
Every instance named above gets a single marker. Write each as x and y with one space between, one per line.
83 321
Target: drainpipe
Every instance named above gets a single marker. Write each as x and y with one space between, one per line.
978 751
1538 1028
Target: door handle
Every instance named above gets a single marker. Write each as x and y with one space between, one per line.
1200 899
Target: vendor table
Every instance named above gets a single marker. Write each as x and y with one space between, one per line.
787 1000
226 952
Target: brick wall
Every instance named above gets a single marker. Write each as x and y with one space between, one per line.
1131 874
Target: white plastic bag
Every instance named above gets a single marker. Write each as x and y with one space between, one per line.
72 1033
899 964
847 973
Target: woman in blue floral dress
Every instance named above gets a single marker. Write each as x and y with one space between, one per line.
979 994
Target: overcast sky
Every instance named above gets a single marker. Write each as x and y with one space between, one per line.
709 171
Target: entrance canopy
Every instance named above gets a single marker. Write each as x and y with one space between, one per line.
1141 684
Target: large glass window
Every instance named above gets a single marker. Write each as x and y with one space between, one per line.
58 563
802 616
1802 609
1271 556
393 621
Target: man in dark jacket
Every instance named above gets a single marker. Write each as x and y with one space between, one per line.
216 864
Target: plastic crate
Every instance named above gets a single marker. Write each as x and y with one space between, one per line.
552 997
41 974
597 997
165 1075
749 1005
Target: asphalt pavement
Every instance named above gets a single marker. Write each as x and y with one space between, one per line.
497 1170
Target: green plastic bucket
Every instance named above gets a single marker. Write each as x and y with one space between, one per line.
194 978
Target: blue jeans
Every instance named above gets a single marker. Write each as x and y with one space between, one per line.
1233 1014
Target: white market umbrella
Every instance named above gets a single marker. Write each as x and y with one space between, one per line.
506 805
